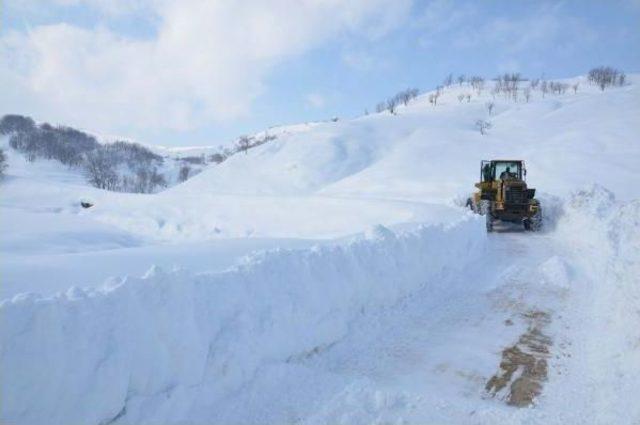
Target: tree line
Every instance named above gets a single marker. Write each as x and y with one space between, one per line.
401 98
120 166
512 86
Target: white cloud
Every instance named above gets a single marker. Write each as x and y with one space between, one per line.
207 62
316 100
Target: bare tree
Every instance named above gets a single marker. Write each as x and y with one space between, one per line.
483 126
461 79
402 97
448 80
196 159
157 180
527 94
407 95
605 76
490 106
557 87
217 158
622 78
142 181
463 96
183 175
575 88
477 83
433 98
508 85
3 163
244 143
544 88
16 123
267 138
391 105
148 180
100 171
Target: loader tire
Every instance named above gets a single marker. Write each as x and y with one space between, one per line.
533 223
489 221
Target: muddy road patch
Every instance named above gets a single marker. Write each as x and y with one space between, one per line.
523 366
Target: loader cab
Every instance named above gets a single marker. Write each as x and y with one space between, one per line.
501 170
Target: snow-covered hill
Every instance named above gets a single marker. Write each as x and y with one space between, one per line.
375 297
340 177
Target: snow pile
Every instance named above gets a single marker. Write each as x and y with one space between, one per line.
604 235
594 218
151 347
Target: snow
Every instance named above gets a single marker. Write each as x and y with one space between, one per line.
336 178
610 301
137 341
332 276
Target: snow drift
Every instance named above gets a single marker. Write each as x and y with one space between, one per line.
604 234
143 349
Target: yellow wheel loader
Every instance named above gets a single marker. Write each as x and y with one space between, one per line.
503 195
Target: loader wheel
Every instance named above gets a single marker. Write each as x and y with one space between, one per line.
533 223
489 221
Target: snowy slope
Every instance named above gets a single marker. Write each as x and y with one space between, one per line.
384 168
427 153
341 320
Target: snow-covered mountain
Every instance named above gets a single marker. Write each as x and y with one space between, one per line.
333 275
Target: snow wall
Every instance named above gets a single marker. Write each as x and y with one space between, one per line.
605 235
142 345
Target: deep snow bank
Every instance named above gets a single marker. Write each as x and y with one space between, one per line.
592 218
149 346
604 235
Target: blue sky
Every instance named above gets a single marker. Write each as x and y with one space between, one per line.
195 72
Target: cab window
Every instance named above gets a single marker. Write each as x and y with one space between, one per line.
507 170
486 171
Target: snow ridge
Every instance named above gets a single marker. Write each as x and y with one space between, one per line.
604 236
150 348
